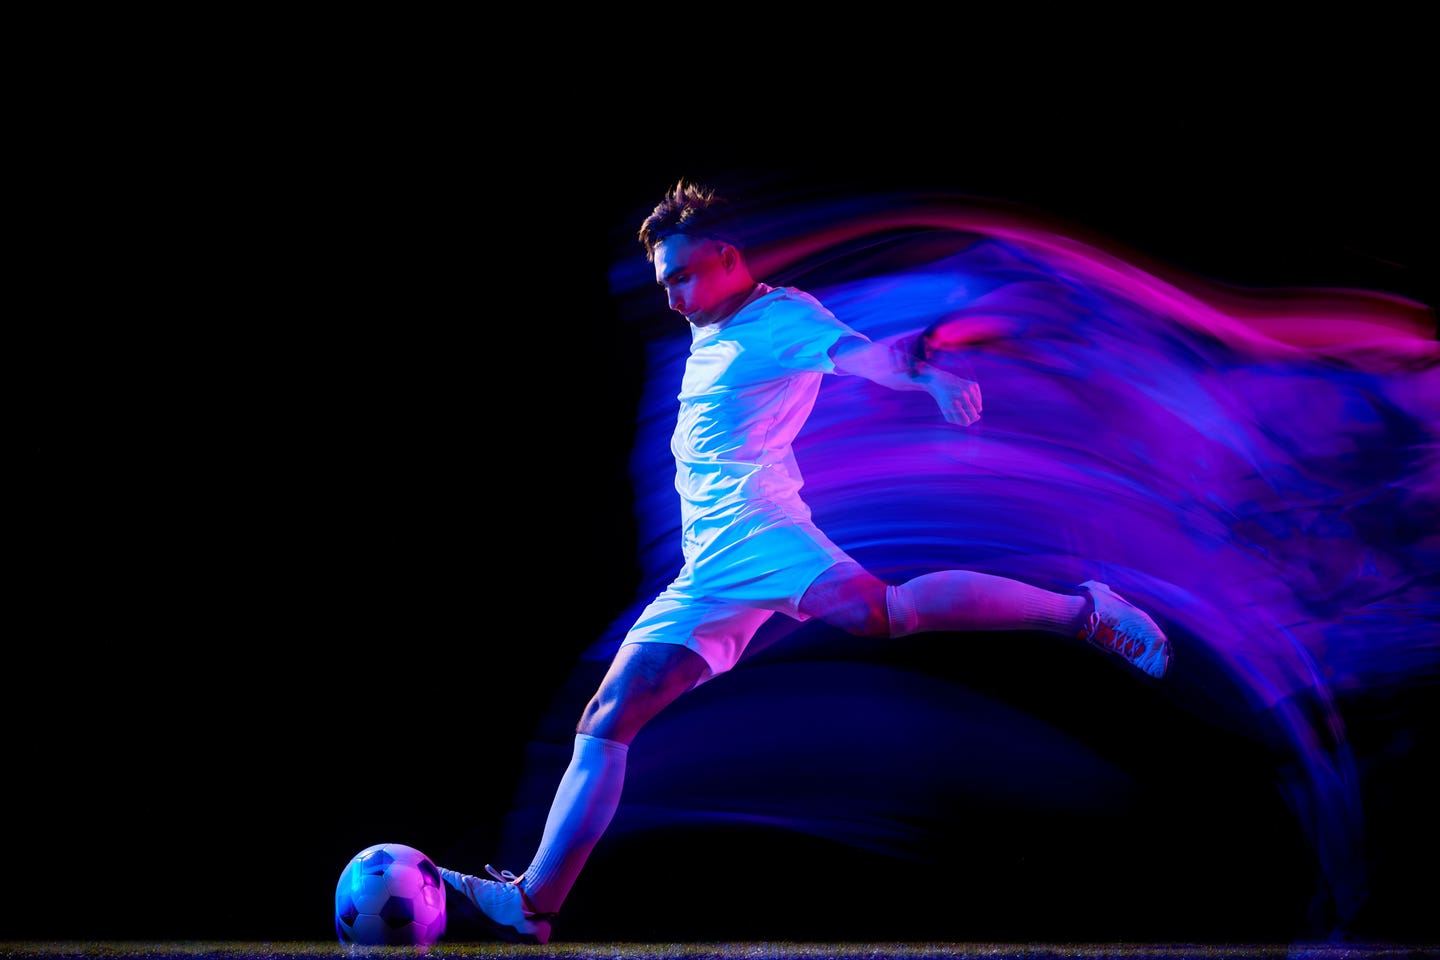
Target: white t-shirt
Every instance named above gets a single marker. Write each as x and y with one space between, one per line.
749 385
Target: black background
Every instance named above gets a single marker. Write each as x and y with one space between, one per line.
308 574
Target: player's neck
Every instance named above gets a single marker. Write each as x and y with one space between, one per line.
736 301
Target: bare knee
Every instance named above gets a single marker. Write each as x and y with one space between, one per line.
643 679
851 598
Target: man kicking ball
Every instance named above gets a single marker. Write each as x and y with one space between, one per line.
757 357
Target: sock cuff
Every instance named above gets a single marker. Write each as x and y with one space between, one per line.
901 609
584 741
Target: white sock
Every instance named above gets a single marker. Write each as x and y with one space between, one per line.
964 600
584 804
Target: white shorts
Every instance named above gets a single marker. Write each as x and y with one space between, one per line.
731 583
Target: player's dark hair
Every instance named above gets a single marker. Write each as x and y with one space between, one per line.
690 209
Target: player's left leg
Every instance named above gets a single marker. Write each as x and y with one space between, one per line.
642 680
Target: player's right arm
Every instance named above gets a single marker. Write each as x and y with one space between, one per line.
883 364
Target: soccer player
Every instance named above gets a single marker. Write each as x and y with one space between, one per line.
750 548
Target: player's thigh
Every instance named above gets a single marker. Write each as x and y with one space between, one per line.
643 679
849 597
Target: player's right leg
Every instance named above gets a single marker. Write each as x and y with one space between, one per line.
642 680
966 600
849 597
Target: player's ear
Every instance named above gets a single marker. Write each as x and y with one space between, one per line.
729 256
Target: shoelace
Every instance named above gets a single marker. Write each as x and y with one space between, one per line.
1121 641
504 876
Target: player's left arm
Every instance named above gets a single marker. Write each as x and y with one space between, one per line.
884 364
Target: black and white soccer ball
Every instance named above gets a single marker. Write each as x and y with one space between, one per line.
389 895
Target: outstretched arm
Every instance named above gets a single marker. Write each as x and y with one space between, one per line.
883 363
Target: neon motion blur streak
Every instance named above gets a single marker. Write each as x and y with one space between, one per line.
1259 469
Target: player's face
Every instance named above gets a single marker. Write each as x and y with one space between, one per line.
697 275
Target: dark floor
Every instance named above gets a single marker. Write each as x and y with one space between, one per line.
298 950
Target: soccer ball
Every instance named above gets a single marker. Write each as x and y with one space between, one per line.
389 895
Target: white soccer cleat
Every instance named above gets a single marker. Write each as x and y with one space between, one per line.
1124 629
502 904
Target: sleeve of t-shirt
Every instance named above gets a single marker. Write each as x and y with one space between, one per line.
803 331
